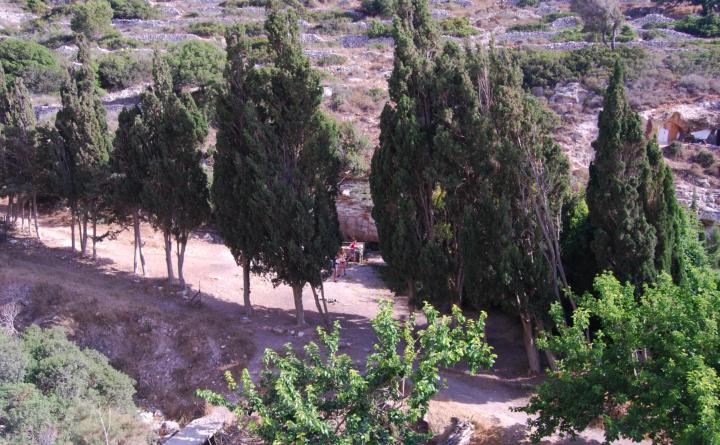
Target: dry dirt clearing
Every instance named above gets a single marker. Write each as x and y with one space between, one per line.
171 346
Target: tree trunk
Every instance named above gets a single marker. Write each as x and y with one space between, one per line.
552 360
139 240
299 312
94 235
411 290
168 257
137 252
35 214
83 233
181 260
533 355
8 211
246 287
21 202
72 227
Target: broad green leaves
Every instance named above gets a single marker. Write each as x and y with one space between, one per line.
319 398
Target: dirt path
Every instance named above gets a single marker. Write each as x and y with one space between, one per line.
171 347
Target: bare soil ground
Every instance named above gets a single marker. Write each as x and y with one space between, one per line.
172 347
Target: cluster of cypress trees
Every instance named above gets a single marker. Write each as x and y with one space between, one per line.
277 164
471 192
467 184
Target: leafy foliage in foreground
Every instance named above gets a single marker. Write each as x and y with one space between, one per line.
320 398
650 370
51 391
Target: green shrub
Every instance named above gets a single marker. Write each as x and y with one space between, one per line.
675 149
34 63
120 70
653 34
206 29
320 398
572 35
63 392
549 18
528 27
524 3
542 68
92 18
627 34
384 8
132 9
377 29
115 41
332 59
659 25
12 360
701 26
705 159
457 26
195 62
353 147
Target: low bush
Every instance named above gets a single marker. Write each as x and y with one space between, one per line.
384 8
353 147
524 3
34 63
206 29
701 26
120 70
528 27
92 18
549 18
572 35
132 9
377 29
195 62
627 34
457 27
653 34
659 25
332 59
115 41
705 159
675 149
63 393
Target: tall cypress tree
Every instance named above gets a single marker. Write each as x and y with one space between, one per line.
300 164
23 174
86 144
129 167
175 192
238 190
623 240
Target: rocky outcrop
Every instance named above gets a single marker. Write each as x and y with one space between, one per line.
354 206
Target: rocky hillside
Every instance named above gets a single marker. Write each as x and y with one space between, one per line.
669 70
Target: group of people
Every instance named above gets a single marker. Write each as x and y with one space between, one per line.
342 258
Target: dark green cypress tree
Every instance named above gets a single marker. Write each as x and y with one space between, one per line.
23 175
663 212
129 169
175 192
239 189
623 240
86 144
301 166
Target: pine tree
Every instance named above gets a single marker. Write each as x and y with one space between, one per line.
300 165
86 144
175 192
623 240
238 190
129 167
